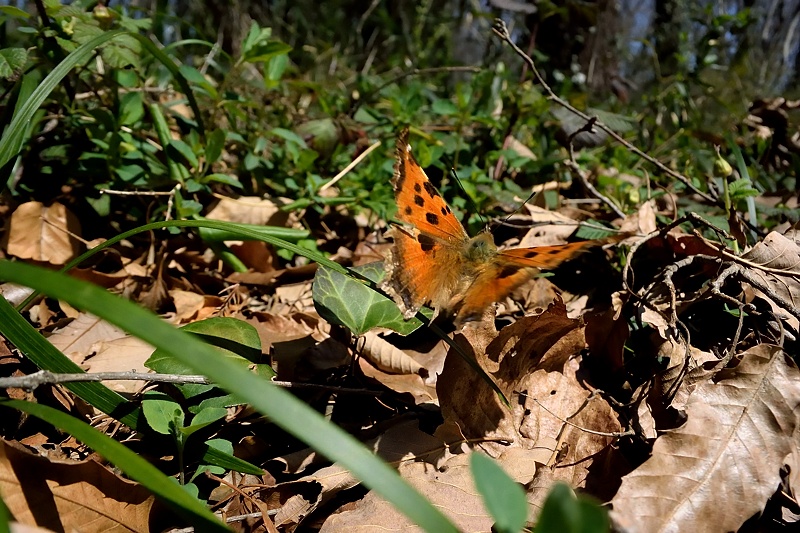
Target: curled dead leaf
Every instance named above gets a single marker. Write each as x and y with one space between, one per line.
387 357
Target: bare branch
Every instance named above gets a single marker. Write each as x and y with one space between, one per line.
502 31
44 377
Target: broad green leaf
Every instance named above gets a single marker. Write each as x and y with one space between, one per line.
15 12
340 299
226 179
294 416
163 414
563 512
131 108
12 60
444 107
275 68
233 338
267 51
289 136
203 419
504 498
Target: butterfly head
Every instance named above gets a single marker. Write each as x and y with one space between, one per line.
480 248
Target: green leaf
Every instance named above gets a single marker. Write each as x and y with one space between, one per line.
130 463
444 107
504 498
289 136
15 12
232 181
203 419
235 339
267 51
214 145
297 418
563 512
12 60
343 300
275 68
184 150
131 108
163 414
595 231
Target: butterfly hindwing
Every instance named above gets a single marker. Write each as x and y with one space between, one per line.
419 269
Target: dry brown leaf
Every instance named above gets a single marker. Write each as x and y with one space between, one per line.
43 233
387 357
720 468
249 210
543 341
187 304
297 499
422 390
551 227
781 254
77 340
16 527
451 490
642 222
126 354
301 497
70 496
778 252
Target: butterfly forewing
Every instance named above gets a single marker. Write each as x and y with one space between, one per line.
418 202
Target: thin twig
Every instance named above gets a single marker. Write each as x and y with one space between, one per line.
44 377
571 163
502 31
349 167
618 434
136 193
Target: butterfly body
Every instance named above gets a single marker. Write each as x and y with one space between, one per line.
433 260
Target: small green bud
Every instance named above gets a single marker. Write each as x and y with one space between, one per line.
722 167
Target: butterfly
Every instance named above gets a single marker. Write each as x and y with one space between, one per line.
433 259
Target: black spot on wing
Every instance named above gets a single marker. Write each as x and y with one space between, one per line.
445 211
417 188
408 210
419 200
507 271
426 243
431 190
432 219
531 253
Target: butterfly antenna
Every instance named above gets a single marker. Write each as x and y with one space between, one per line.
518 209
472 203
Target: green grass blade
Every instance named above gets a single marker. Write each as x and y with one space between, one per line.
284 409
15 130
47 357
187 506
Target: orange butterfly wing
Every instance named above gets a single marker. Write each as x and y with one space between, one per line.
424 264
510 269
